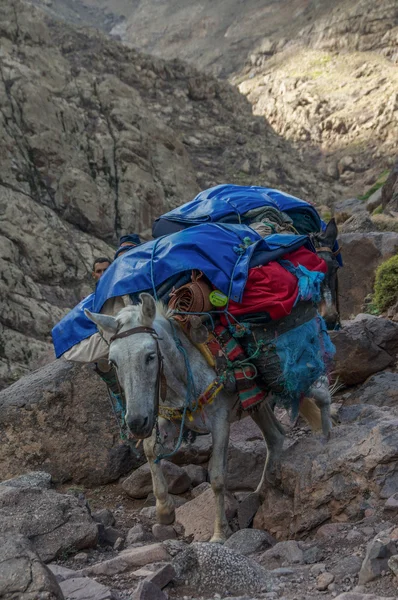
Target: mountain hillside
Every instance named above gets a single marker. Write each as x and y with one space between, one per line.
322 73
97 140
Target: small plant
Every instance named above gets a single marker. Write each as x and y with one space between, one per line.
378 210
386 284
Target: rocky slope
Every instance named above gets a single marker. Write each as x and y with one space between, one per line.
332 89
322 74
97 140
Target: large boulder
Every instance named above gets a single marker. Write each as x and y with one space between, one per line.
22 574
58 419
364 346
362 254
55 523
336 481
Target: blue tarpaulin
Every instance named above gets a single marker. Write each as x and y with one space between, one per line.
218 250
230 202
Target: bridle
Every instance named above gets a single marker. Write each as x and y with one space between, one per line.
333 253
160 387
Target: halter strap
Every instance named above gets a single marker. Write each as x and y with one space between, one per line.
132 331
327 249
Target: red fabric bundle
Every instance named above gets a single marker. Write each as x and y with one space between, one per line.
272 289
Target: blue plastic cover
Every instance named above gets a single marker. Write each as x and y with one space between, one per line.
218 250
222 201
216 203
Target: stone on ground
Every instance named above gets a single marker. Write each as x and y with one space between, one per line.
84 588
162 577
379 550
148 591
139 483
197 516
196 473
283 554
127 560
212 568
56 523
23 575
248 541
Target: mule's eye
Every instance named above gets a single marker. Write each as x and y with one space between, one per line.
150 358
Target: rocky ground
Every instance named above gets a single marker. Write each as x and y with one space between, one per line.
328 529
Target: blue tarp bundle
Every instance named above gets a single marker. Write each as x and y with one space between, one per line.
228 203
220 251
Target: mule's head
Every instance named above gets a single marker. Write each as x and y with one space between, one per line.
137 359
324 243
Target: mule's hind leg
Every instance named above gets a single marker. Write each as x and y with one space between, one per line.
319 391
217 470
165 511
273 434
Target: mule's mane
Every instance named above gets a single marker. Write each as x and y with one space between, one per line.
128 312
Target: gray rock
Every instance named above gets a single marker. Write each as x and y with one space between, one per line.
126 560
248 541
56 523
108 535
393 564
61 573
380 390
196 453
364 346
284 553
148 591
247 509
196 473
104 516
313 555
324 580
213 568
350 565
139 483
84 588
138 534
363 253
359 222
391 505
379 550
34 479
202 487
163 532
162 577
22 573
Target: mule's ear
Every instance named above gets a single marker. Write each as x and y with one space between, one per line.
329 236
103 321
148 308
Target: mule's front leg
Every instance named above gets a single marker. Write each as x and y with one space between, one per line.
165 510
217 469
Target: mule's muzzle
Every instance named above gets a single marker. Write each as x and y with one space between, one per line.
140 427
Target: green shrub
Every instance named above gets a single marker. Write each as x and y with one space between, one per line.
386 284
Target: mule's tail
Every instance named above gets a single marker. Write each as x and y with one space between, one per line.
311 413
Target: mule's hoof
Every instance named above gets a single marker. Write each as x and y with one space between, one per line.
166 517
217 539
